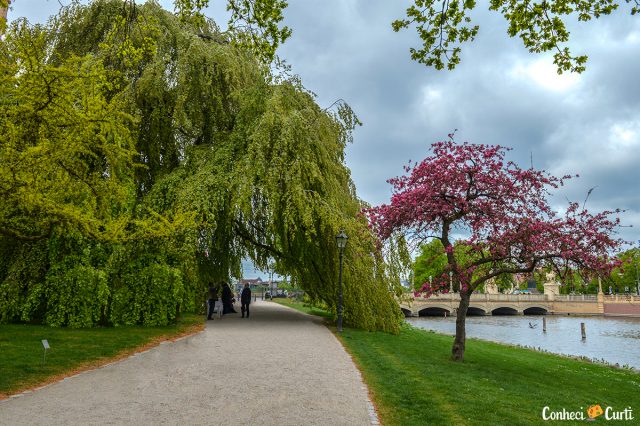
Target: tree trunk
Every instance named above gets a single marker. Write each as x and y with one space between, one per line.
457 351
3 14
3 18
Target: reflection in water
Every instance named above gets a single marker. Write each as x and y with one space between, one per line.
616 340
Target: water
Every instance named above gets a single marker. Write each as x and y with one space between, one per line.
616 340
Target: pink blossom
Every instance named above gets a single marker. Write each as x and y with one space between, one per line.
504 210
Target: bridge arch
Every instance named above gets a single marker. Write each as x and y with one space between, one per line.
473 311
535 310
406 311
434 311
446 306
505 310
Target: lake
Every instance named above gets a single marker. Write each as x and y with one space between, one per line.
614 339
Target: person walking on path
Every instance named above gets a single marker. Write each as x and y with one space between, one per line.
213 297
245 300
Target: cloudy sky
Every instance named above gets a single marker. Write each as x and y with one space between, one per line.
587 124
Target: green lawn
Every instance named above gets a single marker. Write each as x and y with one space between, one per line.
21 350
413 382
302 307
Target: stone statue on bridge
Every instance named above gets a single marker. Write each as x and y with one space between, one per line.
490 286
551 287
551 277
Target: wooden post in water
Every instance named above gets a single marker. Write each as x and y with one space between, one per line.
583 331
544 324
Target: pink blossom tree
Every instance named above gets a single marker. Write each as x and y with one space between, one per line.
510 227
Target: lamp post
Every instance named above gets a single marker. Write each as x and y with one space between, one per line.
341 242
637 279
271 282
450 281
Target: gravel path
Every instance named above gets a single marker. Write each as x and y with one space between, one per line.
279 367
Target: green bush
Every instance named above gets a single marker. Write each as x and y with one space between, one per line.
22 269
151 296
77 296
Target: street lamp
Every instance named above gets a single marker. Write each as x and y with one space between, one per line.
271 281
341 242
637 279
450 281
621 275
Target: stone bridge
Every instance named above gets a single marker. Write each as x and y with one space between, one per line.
524 304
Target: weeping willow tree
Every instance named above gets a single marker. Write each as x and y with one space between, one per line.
214 160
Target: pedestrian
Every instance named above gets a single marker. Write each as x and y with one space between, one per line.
245 300
213 297
227 299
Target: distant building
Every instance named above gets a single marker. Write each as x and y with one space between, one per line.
257 284
532 286
254 284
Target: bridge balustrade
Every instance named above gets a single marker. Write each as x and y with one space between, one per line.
569 304
477 297
622 298
577 297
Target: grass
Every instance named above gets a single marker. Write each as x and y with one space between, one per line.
73 350
302 307
413 382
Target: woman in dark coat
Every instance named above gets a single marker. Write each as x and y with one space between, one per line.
227 300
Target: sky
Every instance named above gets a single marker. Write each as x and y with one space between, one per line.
500 94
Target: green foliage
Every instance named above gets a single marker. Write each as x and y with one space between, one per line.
4 4
443 26
150 296
191 11
23 266
198 161
76 295
431 262
66 148
628 274
253 24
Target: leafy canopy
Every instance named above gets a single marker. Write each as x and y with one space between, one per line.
185 153
66 149
444 25
254 24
